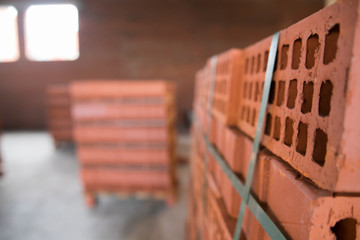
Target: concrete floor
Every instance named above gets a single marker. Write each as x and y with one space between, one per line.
41 198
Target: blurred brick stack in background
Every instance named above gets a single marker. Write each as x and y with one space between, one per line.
308 173
59 113
125 136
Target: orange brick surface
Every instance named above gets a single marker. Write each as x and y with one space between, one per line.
308 122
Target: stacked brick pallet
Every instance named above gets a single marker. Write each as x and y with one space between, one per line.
308 172
59 113
125 136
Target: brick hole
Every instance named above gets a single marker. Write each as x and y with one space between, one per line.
246 65
258 63
280 93
325 98
256 91
248 115
308 90
302 138
296 55
245 88
272 92
284 56
292 94
250 90
277 127
289 131
345 229
319 152
268 124
253 117
331 44
311 50
266 56
252 65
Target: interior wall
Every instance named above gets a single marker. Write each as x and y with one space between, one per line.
142 39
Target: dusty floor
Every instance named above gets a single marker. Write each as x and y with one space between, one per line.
41 198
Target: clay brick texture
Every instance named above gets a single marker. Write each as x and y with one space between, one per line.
306 123
227 80
126 178
58 106
311 123
310 213
299 208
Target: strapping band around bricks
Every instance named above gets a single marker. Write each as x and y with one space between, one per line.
244 190
258 133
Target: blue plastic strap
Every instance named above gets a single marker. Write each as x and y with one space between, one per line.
254 206
258 133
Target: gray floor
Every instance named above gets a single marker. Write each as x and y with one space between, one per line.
41 198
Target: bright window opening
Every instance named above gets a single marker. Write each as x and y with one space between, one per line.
51 32
9 40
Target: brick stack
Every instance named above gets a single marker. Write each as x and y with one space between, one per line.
59 113
125 136
308 173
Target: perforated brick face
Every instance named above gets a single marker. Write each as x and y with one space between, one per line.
227 80
304 123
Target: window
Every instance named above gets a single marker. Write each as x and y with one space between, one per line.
9 41
51 32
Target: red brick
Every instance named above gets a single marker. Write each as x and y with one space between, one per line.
303 210
227 82
220 225
125 177
119 89
223 224
101 134
105 111
312 104
307 213
114 154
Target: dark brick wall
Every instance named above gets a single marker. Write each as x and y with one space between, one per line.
142 39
